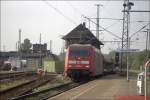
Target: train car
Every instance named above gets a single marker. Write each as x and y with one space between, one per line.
108 67
83 61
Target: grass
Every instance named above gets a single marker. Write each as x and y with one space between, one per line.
7 85
58 81
134 72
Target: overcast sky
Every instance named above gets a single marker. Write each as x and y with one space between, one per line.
53 19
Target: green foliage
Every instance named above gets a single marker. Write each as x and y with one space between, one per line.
138 59
61 56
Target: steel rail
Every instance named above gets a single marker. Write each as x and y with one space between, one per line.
24 88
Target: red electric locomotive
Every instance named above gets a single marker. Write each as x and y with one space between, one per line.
83 61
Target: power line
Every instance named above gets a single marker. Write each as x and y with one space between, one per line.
140 21
57 10
137 11
139 30
112 24
82 0
109 18
104 29
75 9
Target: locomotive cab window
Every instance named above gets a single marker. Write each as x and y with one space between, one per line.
80 53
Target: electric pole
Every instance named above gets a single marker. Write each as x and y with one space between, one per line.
19 45
149 33
50 46
40 52
147 42
97 21
0 42
125 34
19 39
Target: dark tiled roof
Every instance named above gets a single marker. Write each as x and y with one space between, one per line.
81 32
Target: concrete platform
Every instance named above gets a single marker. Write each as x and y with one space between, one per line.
111 87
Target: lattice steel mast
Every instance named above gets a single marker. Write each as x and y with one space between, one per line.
125 34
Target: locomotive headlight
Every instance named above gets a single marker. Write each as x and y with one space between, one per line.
72 62
84 62
87 66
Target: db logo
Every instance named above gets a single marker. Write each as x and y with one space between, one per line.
78 62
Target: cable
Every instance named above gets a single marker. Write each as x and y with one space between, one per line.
104 29
95 23
57 10
75 9
139 30
140 21
112 24
108 18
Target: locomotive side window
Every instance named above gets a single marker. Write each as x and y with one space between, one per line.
80 53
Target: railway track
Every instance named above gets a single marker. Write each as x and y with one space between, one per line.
47 93
14 75
25 87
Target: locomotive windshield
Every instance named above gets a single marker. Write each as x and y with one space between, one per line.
80 53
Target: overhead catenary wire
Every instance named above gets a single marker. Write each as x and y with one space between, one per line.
74 8
109 18
139 30
105 29
116 22
57 10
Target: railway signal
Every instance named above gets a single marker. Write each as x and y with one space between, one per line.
117 57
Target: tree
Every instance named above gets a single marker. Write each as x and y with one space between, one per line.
25 47
139 59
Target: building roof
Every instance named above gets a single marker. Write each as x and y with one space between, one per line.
82 33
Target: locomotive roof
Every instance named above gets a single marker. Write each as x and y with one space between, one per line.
88 45
82 32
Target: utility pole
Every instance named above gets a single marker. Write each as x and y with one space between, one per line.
147 42
50 48
40 52
125 34
0 42
97 21
149 33
19 39
19 45
16 46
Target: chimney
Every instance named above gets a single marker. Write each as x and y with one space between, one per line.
84 24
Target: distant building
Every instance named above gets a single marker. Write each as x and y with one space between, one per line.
39 48
81 35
